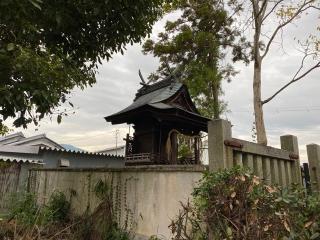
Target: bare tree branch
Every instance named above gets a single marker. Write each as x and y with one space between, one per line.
272 10
304 6
262 9
295 79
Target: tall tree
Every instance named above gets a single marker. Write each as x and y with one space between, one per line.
285 12
48 47
195 44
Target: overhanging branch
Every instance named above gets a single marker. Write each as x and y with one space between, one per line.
295 79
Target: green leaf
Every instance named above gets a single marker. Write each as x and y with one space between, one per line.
48 68
10 47
315 236
229 232
59 118
58 19
36 3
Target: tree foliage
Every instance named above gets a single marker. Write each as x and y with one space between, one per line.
195 44
49 47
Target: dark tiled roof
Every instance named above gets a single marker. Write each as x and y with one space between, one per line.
155 93
151 88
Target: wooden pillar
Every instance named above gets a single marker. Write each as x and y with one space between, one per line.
306 177
174 148
196 150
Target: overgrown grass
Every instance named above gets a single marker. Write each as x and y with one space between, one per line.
27 220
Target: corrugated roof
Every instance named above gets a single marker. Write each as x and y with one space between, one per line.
19 159
79 152
19 149
112 148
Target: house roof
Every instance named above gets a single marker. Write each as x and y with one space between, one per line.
19 159
19 149
168 97
35 138
17 134
11 138
111 149
33 151
48 149
18 139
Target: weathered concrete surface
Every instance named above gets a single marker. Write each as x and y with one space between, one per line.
13 179
273 165
218 131
290 143
149 197
313 151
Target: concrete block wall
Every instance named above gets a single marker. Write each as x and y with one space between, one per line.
149 197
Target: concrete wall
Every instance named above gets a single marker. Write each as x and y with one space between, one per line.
13 179
51 160
152 195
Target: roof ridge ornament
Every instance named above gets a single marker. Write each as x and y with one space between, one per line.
143 82
174 75
171 74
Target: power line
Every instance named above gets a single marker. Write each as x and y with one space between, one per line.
284 109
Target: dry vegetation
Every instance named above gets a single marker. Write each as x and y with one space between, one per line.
234 204
54 220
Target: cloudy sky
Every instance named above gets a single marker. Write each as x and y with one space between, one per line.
296 111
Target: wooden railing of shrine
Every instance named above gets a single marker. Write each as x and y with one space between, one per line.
141 158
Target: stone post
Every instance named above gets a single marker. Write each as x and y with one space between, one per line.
218 131
290 143
313 151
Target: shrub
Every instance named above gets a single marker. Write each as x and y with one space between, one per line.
58 208
25 210
233 204
54 220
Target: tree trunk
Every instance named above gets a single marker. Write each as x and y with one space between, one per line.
258 108
258 13
216 113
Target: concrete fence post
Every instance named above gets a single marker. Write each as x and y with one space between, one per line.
313 151
290 143
219 130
